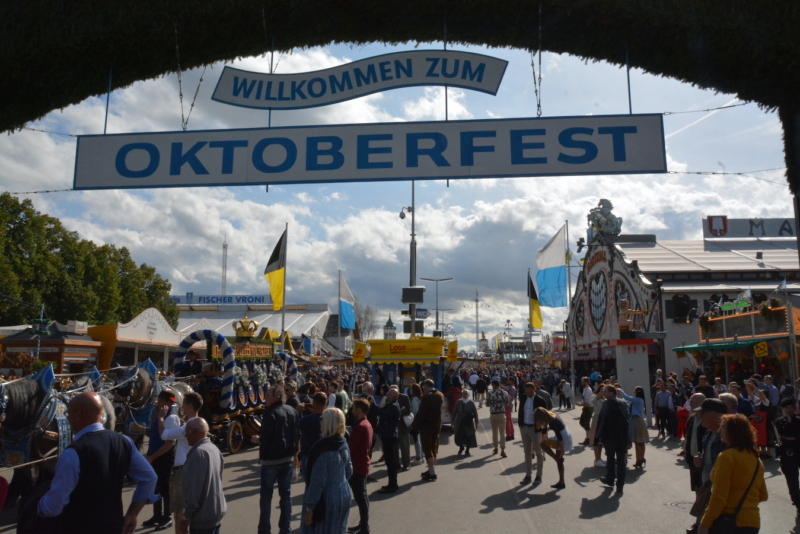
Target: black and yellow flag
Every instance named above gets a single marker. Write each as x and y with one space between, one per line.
275 272
535 312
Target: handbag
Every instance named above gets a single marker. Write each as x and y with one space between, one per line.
726 524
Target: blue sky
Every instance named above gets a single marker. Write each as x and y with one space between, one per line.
484 233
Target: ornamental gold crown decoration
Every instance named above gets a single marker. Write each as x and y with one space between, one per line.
245 327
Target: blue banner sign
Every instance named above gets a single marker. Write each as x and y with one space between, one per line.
191 298
496 148
352 80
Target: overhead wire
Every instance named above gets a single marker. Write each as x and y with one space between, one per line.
748 174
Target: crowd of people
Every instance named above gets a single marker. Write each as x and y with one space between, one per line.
327 430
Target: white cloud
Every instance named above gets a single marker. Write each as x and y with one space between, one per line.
336 197
432 106
305 198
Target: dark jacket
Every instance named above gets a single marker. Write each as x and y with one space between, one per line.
548 401
691 423
429 416
613 421
540 400
405 406
279 434
446 383
389 420
695 479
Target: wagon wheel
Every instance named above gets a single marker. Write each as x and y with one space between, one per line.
235 437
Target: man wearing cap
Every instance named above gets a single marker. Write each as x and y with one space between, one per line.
710 413
694 441
161 455
788 427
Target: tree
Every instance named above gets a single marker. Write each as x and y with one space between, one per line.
74 278
365 319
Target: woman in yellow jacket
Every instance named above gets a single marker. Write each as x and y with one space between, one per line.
733 470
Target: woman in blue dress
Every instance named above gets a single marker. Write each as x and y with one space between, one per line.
326 503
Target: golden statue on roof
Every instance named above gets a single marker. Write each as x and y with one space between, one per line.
245 327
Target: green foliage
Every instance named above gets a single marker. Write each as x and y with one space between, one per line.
38 365
43 262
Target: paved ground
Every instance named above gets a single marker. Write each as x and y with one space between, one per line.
482 493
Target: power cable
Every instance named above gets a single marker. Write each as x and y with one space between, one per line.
48 131
748 174
704 110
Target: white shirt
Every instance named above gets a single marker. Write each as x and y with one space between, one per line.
174 430
588 396
528 415
473 379
331 400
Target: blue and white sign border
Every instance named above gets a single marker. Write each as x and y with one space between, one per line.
656 165
490 87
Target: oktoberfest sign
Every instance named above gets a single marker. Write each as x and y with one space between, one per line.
374 152
352 80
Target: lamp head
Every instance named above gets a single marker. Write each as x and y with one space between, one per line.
402 214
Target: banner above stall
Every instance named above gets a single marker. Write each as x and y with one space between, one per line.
258 90
435 150
408 351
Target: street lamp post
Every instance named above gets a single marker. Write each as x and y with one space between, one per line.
509 326
412 308
478 305
437 280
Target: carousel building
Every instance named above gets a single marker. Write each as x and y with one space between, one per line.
646 304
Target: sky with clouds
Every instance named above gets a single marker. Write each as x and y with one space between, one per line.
485 233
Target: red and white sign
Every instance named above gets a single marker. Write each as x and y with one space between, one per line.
717 225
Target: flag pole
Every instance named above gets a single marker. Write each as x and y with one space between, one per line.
339 324
569 301
283 308
530 317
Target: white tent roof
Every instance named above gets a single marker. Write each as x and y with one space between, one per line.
297 322
713 255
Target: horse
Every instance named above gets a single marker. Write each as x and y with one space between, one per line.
91 384
136 399
33 428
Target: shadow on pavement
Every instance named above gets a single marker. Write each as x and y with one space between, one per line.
518 468
532 500
453 458
473 462
377 496
605 503
589 474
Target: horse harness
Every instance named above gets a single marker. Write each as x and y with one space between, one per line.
16 445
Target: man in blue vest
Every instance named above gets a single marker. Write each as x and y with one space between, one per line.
161 455
90 474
